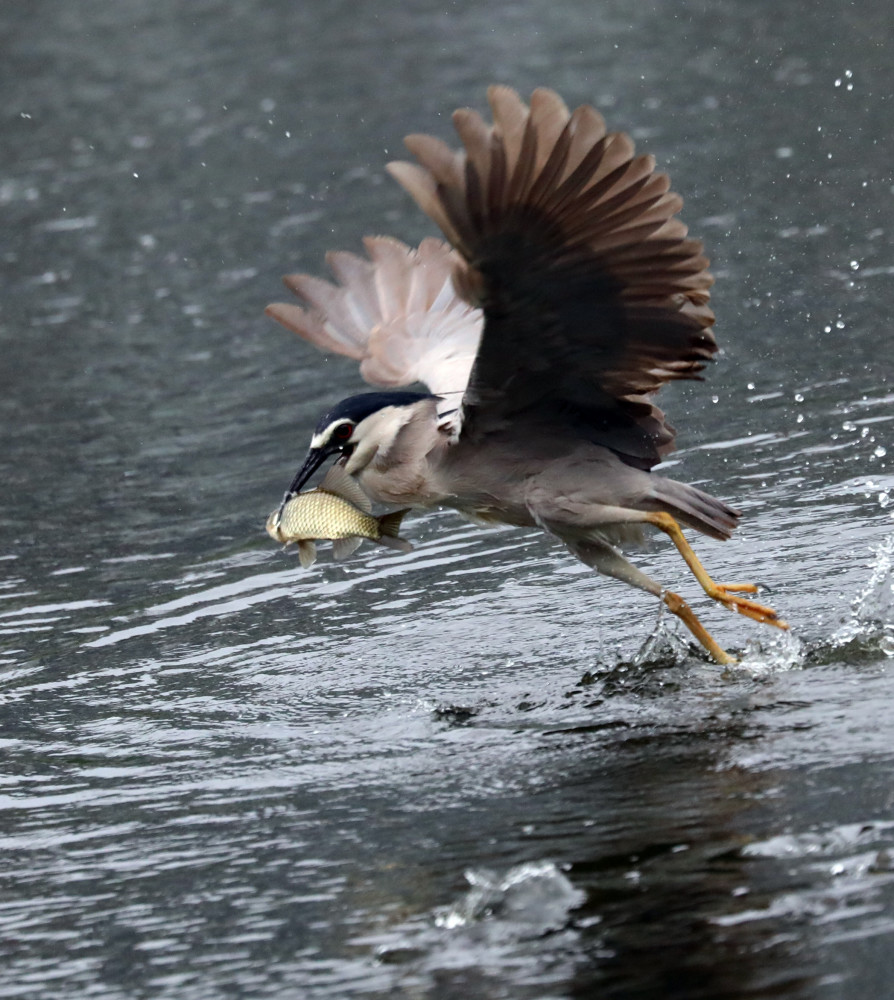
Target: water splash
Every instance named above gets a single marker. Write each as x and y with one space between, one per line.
871 624
875 603
769 653
535 897
664 644
772 653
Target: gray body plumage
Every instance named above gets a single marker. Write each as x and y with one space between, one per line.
523 477
569 294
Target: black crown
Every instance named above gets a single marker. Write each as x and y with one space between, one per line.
357 408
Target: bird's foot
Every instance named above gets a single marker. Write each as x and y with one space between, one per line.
727 594
681 609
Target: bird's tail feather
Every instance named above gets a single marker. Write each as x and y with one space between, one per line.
693 507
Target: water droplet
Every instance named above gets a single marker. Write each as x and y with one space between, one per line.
799 397
848 425
800 419
715 399
855 265
750 385
839 324
880 452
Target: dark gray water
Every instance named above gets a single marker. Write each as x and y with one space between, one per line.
456 773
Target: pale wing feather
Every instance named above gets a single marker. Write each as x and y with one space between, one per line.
397 313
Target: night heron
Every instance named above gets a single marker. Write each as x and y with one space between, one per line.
569 294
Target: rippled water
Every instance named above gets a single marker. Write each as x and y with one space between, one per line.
477 770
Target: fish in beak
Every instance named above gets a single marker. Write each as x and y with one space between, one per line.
337 510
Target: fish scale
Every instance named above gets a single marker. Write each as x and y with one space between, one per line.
319 514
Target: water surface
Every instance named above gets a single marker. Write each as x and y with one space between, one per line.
478 770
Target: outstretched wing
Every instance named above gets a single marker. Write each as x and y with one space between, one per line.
593 297
397 313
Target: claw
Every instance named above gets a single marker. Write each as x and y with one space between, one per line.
724 593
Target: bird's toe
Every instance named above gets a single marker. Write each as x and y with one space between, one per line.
728 596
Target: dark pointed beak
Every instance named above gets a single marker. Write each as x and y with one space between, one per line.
315 458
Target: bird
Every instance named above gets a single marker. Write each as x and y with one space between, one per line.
564 294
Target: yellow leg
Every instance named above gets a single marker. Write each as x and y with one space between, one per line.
681 609
725 594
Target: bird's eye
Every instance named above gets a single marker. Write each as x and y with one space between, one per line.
341 433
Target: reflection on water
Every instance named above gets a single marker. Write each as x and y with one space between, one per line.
476 770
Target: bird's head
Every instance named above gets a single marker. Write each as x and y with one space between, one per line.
357 428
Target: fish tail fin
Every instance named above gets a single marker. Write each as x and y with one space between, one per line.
344 547
307 553
389 526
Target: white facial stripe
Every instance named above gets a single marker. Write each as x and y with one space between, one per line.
322 439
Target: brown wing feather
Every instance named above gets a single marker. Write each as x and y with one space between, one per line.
592 292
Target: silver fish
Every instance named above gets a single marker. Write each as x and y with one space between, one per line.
337 510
